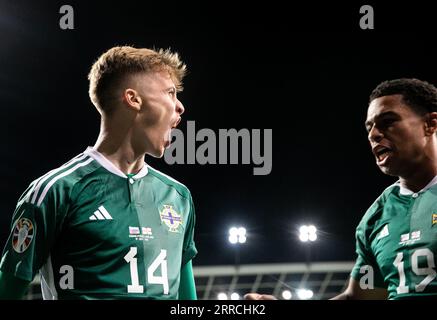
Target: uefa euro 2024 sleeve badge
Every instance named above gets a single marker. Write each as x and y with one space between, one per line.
171 218
23 235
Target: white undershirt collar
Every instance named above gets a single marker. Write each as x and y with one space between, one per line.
108 165
407 192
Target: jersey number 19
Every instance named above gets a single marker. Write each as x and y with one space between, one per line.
427 271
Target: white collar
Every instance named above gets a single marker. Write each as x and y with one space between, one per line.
407 192
108 165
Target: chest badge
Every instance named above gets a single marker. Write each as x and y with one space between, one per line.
171 218
434 218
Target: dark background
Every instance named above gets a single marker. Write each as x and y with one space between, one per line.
304 71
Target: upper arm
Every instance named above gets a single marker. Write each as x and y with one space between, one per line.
187 286
31 235
12 287
189 250
366 280
366 266
355 292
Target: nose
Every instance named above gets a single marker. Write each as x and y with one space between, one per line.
375 135
179 107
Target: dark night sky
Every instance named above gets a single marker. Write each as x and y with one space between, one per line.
305 73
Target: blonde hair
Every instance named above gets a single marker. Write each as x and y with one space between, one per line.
117 63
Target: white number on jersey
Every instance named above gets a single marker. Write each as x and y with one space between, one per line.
160 260
135 287
163 279
428 271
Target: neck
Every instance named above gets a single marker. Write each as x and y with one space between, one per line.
116 143
424 172
418 182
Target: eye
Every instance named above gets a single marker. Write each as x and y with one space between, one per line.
387 122
368 126
172 92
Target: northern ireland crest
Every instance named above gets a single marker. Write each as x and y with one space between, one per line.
171 218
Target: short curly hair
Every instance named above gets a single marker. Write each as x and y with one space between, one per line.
115 64
420 95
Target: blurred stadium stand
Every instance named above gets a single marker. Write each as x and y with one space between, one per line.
325 279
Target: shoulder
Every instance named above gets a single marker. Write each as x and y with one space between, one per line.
59 181
170 182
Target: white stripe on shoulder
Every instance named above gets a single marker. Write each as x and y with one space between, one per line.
66 173
51 173
31 188
168 177
35 183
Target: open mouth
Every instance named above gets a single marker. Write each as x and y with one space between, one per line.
176 123
381 153
168 139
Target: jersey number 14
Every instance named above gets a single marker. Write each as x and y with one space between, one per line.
159 261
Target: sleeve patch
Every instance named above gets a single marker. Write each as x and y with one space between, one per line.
23 235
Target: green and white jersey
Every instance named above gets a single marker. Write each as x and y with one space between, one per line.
397 238
95 233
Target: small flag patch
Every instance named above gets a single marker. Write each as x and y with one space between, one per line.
134 230
415 235
405 237
147 231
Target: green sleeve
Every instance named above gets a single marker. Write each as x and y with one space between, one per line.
189 247
32 233
187 287
365 257
12 288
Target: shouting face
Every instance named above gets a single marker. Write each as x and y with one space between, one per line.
397 135
160 111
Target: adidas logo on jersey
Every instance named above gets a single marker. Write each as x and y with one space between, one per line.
101 214
384 232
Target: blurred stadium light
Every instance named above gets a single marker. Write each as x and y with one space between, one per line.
305 294
235 296
286 295
307 233
222 296
237 235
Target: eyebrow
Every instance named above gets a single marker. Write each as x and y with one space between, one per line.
171 88
382 115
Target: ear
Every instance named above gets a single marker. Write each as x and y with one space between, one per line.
431 123
132 99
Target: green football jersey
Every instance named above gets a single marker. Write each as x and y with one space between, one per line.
95 233
397 238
